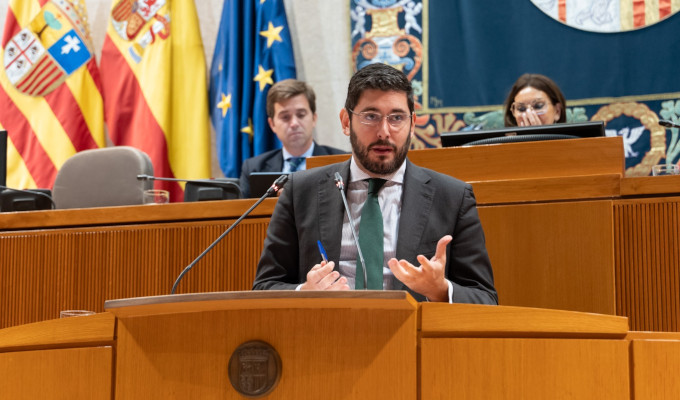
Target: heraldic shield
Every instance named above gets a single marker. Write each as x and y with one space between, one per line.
254 368
50 48
129 16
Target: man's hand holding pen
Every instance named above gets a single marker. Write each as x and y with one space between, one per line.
322 277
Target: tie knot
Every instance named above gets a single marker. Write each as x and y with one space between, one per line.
294 163
374 185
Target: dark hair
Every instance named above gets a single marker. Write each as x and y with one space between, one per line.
287 88
536 81
381 77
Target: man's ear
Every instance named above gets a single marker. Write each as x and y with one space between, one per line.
344 121
271 123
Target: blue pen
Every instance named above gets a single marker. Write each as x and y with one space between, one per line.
322 251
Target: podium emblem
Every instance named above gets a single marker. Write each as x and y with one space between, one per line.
254 368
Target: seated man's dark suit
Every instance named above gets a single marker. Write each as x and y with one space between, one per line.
433 205
272 161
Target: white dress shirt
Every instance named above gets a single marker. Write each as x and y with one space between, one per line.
389 199
287 155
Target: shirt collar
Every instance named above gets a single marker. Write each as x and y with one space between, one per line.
306 154
356 174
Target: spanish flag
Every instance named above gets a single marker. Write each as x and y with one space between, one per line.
155 93
50 98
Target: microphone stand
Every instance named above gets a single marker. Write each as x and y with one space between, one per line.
275 187
211 182
341 186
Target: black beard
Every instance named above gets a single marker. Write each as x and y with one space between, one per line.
378 167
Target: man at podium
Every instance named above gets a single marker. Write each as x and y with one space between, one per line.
416 229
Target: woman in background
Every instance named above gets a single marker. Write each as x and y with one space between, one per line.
534 100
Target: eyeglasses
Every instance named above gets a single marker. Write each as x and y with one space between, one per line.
539 106
371 118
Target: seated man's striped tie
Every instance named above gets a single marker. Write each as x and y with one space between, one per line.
295 163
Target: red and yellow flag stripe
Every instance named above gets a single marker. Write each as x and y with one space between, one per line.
44 131
155 89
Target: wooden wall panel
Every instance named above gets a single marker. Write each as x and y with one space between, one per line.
42 272
655 365
79 373
647 262
492 368
556 255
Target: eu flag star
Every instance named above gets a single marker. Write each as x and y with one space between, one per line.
249 128
264 77
272 34
225 104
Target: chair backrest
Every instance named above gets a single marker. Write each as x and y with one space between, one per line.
102 177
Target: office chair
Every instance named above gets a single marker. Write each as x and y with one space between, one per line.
102 177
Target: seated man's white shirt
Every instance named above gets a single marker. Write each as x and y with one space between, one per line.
303 164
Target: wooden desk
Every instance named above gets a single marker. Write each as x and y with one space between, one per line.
77 259
654 365
564 230
181 347
69 358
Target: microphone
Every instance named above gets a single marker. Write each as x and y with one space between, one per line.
275 187
668 124
341 186
54 206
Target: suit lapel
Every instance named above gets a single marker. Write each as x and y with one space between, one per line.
275 163
331 211
417 199
318 150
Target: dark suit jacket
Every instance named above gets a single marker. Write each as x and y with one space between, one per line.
272 161
433 205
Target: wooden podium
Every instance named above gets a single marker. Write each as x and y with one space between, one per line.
351 345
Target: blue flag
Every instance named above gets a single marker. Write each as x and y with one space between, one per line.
253 51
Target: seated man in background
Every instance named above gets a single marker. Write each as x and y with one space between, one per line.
418 229
534 100
291 108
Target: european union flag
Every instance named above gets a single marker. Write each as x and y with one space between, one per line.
253 51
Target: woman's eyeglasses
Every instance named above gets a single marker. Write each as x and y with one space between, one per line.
539 106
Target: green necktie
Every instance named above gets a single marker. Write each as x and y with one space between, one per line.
371 239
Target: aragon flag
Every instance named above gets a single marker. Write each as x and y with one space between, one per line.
50 98
253 51
155 92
